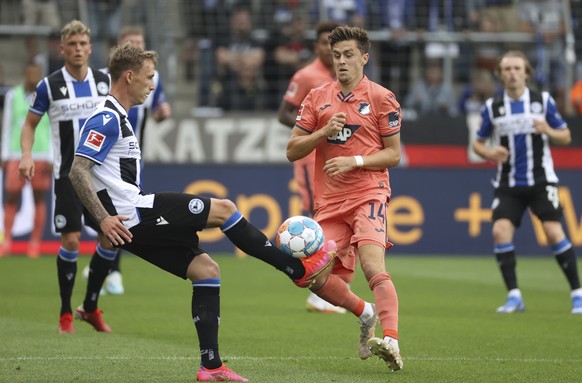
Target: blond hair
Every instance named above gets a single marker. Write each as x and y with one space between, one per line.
75 27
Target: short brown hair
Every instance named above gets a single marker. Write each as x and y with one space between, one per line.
130 30
75 27
345 33
129 57
325 27
529 70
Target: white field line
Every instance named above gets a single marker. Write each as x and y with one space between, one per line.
289 358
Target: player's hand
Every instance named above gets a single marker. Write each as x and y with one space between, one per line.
114 229
335 124
339 165
541 126
163 111
26 168
499 154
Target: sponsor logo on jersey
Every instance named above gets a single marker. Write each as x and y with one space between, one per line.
196 206
324 107
343 135
393 121
94 140
106 119
63 90
299 113
364 108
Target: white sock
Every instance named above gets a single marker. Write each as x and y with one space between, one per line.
393 341
514 293
367 313
576 293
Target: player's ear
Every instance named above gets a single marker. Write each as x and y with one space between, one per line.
365 57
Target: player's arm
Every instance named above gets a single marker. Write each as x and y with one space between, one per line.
26 166
560 136
287 113
388 157
112 227
302 143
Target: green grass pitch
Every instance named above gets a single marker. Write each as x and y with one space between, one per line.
449 331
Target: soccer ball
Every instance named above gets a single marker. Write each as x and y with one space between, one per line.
300 236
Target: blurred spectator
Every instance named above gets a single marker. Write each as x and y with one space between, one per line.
351 12
430 94
472 99
502 13
246 91
287 50
49 61
238 55
41 12
104 20
544 19
474 95
18 101
4 88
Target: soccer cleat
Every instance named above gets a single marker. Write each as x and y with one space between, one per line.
94 319
317 305
367 330
317 263
66 324
513 304
220 374
386 351
114 283
577 304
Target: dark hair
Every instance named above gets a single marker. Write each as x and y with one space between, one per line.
515 53
345 33
325 27
130 57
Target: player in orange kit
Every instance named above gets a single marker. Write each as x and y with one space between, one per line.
353 125
314 75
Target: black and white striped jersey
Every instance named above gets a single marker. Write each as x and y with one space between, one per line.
108 139
68 103
510 123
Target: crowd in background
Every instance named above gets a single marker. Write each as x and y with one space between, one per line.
240 54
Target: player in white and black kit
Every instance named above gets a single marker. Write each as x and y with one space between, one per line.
69 96
522 123
162 227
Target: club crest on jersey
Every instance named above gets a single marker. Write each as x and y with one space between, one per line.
364 108
94 140
299 113
102 88
196 206
536 107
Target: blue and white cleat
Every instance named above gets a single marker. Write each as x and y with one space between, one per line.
577 304
512 305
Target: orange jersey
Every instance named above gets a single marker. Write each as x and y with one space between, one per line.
372 114
310 77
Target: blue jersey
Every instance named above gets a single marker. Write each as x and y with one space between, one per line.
108 139
509 123
68 103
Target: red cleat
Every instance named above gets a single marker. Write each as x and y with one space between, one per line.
66 324
317 263
94 319
220 374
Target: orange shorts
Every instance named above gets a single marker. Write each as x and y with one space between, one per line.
41 180
354 223
303 172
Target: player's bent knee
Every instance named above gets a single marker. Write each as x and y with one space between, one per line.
222 209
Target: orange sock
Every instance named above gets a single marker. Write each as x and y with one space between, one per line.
386 303
336 292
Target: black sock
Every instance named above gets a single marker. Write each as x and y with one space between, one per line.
206 317
567 262
99 269
116 266
66 272
506 262
252 241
